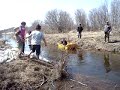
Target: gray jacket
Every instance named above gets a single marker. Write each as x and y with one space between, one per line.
107 28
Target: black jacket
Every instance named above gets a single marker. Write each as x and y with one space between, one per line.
79 29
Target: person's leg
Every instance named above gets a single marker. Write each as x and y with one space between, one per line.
32 50
105 36
108 36
38 50
20 49
80 34
23 47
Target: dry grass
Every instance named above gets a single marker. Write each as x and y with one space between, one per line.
30 74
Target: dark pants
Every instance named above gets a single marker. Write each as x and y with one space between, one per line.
79 34
37 49
23 47
107 36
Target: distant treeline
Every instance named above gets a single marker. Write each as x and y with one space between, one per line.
7 30
61 21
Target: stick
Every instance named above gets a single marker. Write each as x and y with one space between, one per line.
44 81
78 82
43 63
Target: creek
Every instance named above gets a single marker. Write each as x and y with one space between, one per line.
101 65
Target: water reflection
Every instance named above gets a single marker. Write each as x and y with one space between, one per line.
80 54
107 62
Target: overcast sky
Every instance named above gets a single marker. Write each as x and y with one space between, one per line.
13 12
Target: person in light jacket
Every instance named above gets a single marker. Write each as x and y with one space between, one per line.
36 37
107 30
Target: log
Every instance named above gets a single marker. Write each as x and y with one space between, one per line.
48 64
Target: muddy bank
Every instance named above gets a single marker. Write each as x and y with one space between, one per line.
30 75
89 41
80 82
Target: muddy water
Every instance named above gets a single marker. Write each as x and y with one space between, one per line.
98 64
101 65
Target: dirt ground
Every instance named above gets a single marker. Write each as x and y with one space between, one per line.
89 41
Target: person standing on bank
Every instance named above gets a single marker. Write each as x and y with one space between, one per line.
21 31
79 30
36 37
107 30
19 41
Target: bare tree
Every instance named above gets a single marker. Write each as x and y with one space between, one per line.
93 18
115 13
59 20
34 24
52 19
103 15
98 17
80 17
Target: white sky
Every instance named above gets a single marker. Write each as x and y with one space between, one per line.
13 12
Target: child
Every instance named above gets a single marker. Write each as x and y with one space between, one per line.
29 39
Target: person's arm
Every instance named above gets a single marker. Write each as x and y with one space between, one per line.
77 29
82 28
17 32
28 35
109 29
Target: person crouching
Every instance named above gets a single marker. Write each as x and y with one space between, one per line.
64 42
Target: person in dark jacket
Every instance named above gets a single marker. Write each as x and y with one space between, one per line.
79 30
